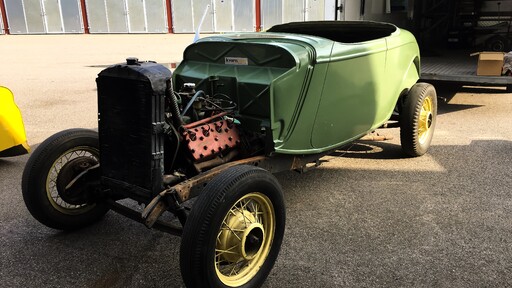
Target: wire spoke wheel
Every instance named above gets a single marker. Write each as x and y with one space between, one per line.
418 119
234 231
63 170
59 161
425 120
244 239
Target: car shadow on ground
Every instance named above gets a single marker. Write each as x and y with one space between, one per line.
9 162
446 108
447 91
370 150
445 94
401 224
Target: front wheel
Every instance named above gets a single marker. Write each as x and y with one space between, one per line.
418 119
234 232
55 163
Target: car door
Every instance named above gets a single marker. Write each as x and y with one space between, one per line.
352 91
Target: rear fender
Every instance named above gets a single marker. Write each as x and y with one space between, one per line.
410 78
13 140
413 74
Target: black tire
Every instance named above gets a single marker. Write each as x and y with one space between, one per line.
497 43
418 119
228 203
43 179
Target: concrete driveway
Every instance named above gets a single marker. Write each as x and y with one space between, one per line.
368 217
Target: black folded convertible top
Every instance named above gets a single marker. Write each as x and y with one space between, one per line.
340 31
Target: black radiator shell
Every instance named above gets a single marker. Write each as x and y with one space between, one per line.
130 117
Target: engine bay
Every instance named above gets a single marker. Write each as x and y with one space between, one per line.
209 127
169 128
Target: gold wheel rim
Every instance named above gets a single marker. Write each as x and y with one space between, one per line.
425 120
244 239
51 181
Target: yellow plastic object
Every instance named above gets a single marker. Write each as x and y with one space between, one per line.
13 140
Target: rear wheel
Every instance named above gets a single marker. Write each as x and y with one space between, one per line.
49 171
497 43
418 119
234 231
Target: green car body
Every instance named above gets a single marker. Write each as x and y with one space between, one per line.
315 85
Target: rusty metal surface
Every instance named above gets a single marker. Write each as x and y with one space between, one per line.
215 161
136 216
204 121
190 187
184 188
156 211
210 139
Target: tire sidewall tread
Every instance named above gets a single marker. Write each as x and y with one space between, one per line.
409 118
204 221
35 174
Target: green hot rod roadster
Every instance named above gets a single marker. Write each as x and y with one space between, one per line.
201 144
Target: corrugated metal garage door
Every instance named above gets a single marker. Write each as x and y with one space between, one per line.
127 16
234 15
221 15
16 16
282 11
44 16
187 14
71 16
245 15
315 10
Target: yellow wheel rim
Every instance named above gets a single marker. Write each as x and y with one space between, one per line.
425 120
52 191
244 239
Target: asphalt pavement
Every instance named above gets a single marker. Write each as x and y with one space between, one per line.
367 217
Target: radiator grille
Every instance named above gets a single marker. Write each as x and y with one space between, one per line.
130 107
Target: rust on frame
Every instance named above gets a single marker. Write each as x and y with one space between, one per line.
184 188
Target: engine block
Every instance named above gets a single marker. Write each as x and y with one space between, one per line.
208 140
